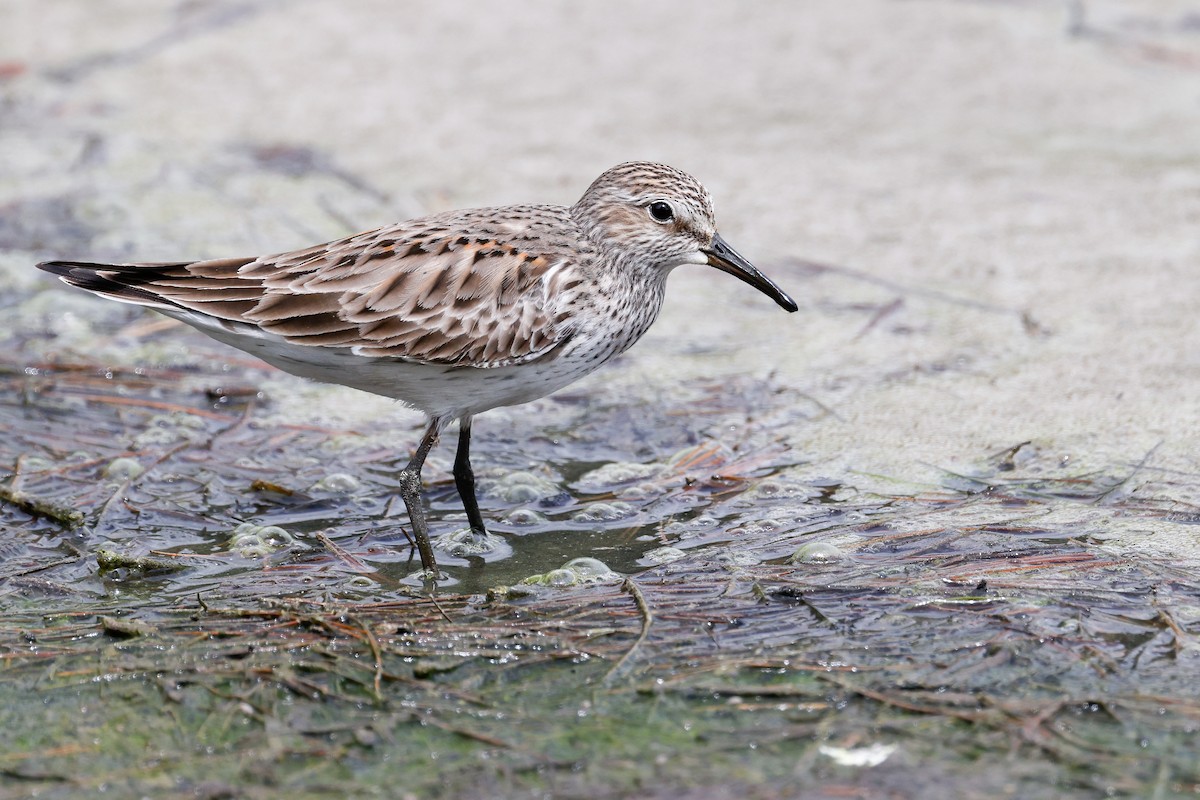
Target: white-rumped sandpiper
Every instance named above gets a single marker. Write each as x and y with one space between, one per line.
453 313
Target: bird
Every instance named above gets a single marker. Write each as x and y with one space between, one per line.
454 313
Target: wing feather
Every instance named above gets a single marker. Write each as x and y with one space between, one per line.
454 289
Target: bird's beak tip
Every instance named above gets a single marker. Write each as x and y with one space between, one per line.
726 259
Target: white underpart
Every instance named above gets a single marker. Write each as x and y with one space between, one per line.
448 392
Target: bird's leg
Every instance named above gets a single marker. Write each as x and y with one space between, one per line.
464 478
410 492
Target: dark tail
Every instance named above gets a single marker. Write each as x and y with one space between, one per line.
118 281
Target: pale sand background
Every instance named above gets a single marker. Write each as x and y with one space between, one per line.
1036 162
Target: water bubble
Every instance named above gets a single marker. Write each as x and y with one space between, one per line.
465 542
524 517
338 483
817 553
123 469
662 555
560 577
603 512
574 572
520 487
590 569
610 476
254 541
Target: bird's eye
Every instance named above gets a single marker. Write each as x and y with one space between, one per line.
661 212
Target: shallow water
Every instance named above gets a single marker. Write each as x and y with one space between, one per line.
159 463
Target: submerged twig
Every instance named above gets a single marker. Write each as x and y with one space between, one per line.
377 653
629 586
897 702
339 551
68 517
1138 467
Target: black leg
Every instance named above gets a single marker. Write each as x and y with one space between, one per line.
464 477
410 492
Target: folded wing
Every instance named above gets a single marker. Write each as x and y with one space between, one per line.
425 291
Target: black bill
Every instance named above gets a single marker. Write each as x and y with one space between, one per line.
726 259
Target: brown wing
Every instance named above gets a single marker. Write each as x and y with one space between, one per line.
460 290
